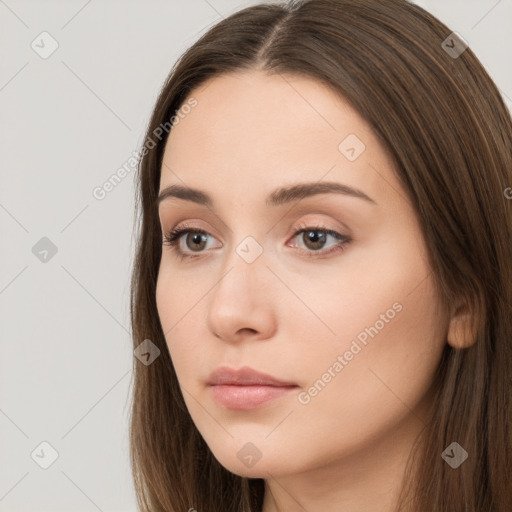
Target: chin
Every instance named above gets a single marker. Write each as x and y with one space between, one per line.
246 461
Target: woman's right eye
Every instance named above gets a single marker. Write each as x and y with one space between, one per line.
193 237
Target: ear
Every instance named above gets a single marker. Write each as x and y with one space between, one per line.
461 331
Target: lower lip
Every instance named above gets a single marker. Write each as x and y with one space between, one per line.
247 397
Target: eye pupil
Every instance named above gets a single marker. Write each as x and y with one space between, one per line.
316 237
197 238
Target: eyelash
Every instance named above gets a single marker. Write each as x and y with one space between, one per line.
173 239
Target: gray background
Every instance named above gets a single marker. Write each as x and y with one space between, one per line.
68 122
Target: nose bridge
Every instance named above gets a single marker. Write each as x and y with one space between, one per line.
246 240
243 266
240 299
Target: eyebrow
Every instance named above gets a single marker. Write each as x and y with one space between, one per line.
279 197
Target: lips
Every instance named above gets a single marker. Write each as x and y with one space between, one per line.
246 388
245 376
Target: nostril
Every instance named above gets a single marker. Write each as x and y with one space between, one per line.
251 331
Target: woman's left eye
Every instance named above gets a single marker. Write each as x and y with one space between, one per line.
314 239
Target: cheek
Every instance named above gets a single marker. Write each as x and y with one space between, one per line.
178 294
381 380
400 341
177 304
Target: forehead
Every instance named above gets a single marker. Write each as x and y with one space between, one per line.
251 133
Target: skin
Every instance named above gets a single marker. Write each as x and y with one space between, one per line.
289 315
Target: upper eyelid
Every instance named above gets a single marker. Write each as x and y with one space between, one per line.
314 222
299 210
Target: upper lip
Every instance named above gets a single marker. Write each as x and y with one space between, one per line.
244 376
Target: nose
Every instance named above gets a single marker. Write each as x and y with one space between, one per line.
243 301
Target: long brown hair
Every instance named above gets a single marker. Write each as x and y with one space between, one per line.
447 129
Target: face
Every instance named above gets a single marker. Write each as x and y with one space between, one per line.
329 292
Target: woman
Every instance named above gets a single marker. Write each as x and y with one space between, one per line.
324 269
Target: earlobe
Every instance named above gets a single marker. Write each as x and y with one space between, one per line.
461 329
